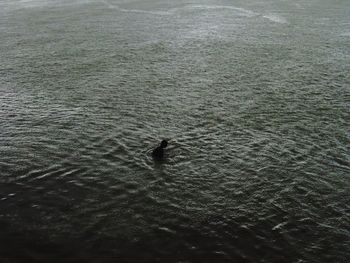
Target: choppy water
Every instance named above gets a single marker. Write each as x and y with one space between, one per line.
253 96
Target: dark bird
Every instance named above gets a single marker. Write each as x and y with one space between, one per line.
158 153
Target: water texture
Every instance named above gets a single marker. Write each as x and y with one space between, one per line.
253 96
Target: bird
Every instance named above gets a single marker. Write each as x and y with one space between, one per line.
158 153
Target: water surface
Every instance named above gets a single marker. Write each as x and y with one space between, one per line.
254 99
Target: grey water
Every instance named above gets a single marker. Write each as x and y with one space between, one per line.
253 96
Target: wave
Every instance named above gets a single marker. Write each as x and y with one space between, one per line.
172 11
275 18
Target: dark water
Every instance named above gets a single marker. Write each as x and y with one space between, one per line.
254 97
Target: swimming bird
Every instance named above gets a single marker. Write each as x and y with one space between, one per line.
158 153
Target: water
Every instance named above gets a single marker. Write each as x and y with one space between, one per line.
253 96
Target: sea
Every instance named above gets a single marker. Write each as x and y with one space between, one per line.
253 97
